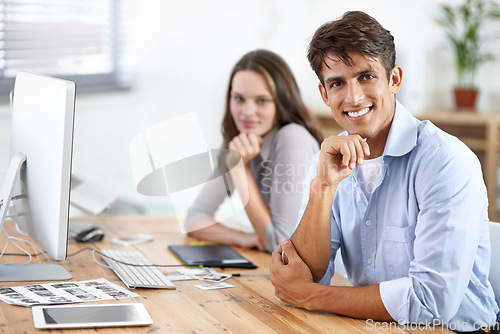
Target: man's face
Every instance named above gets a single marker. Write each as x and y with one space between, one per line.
360 97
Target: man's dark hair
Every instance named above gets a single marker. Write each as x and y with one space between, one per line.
354 32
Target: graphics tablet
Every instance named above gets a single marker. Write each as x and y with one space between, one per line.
94 315
221 256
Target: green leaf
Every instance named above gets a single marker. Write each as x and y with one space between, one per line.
463 25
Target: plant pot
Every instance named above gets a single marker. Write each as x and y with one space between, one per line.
465 99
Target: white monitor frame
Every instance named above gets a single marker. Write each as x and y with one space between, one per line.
36 189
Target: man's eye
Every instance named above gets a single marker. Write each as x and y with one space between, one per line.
367 77
335 84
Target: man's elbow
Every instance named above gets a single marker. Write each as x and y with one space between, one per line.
318 273
436 305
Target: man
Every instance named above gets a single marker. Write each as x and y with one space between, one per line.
403 201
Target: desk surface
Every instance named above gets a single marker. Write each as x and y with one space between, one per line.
249 307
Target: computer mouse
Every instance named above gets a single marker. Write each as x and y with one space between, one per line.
91 235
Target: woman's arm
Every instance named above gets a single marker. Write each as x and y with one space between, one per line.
248 145
208 229
256 207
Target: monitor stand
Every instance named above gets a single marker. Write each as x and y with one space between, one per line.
20 272
23 271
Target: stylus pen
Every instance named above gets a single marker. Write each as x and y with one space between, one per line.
250 274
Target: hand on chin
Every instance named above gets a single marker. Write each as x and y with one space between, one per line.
248 144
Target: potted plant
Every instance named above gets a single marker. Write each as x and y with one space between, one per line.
463 25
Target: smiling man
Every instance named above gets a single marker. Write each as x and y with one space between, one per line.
403 201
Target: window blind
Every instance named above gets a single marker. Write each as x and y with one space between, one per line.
85 41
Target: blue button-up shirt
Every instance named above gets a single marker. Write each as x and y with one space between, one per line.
423 235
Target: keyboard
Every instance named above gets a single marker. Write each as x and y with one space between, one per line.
134 276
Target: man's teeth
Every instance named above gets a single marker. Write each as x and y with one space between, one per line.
358 113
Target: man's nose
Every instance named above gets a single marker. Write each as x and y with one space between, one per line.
354 94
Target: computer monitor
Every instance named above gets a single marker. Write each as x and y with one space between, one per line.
36 188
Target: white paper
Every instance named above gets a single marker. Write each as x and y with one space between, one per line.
214 286
64 293
196 271
215 277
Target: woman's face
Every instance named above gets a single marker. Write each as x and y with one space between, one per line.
251 103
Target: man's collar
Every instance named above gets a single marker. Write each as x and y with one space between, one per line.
403 134
265 149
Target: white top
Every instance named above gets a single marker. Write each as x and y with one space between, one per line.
368 174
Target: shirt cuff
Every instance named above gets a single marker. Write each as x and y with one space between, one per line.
395 295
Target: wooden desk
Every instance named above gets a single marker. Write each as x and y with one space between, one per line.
249 307
479 131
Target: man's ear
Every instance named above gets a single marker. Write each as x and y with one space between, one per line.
396 79
324 94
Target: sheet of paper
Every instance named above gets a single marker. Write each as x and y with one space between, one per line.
213 286
196 271
64 293
173 278
216 277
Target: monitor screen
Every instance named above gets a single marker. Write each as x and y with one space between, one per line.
39 175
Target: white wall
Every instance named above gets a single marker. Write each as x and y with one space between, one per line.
185 51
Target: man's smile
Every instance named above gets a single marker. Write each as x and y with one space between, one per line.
358 113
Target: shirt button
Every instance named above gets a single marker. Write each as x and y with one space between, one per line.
369 261
368 223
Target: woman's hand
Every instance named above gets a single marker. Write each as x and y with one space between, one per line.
251 240
247 144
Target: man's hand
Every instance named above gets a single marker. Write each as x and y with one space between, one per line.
293 284
290 281
248 144
339 155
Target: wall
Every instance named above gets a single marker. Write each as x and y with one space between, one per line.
185 50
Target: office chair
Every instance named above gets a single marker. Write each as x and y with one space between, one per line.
494 276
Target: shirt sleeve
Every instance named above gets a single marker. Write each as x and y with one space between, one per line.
290 159
450 190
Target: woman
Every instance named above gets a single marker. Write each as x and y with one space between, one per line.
268 124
